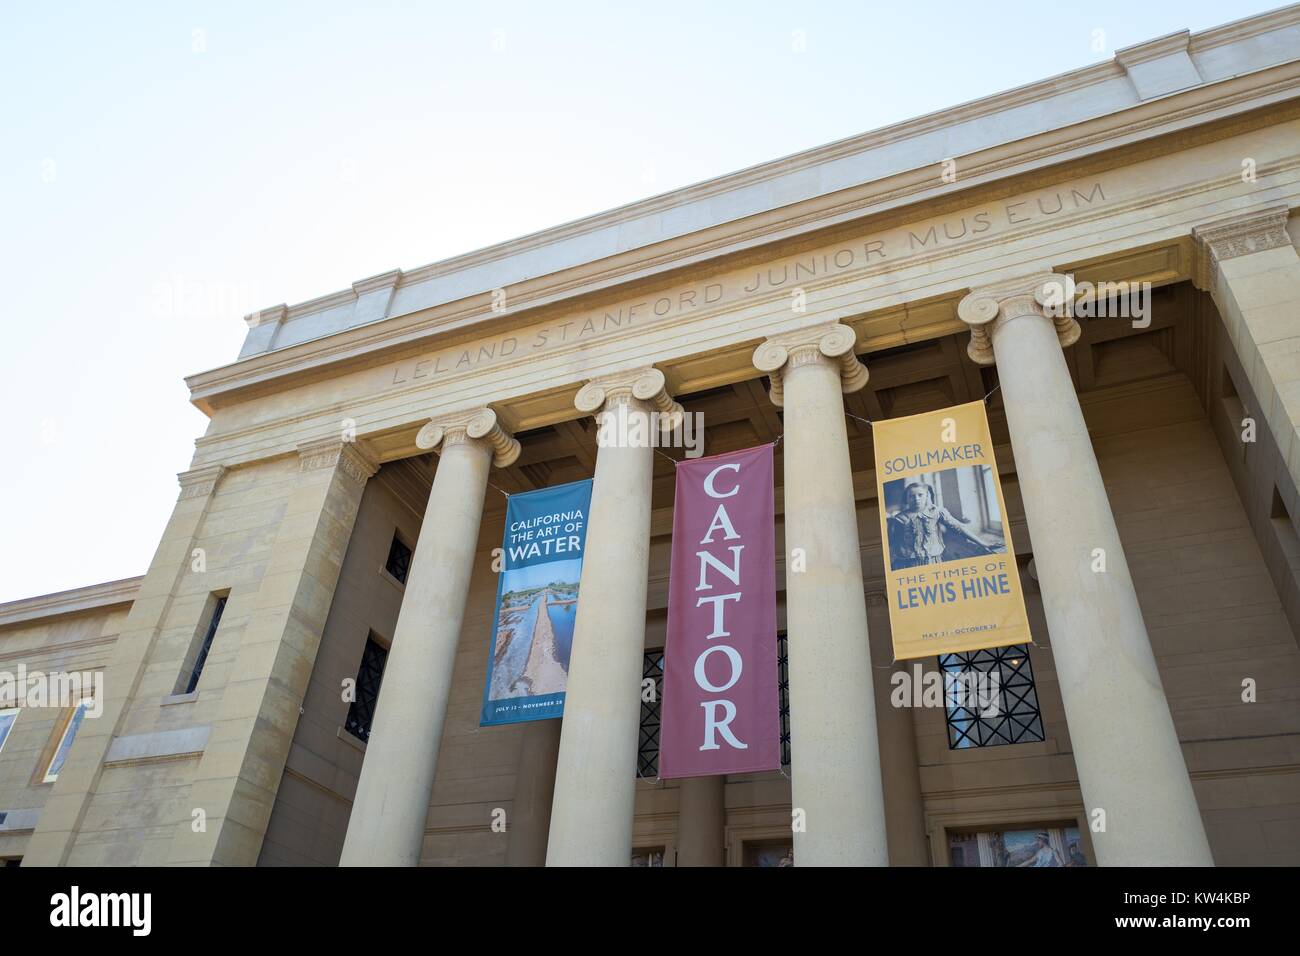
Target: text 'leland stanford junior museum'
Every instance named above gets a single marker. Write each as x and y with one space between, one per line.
960 526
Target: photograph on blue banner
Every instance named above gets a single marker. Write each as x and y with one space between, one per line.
534 629
536 605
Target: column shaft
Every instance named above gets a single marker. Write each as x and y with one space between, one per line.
701 821
530 821
595 779
391 806
1126 750
835 769
900 776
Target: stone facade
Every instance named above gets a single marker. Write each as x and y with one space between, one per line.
890 274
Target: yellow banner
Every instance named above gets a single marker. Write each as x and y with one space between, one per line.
950 569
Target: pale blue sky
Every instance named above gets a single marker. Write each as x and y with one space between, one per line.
168 167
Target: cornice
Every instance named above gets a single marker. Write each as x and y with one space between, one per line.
70 602
39 657
274 313
1224 101
385 280
351 458
760 173
199 482
224 445
1245 28
1228 238
1153 49
851 145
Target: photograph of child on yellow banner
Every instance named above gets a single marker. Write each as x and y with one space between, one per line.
950 570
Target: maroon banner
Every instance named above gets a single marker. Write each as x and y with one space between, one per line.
720 711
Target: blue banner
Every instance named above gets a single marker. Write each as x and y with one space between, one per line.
537 604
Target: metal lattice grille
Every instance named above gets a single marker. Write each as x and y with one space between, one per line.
990 698
399 559
783 686
647 751
370 675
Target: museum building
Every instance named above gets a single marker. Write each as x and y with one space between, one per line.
296 678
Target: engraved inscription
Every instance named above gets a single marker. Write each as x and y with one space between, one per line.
775 279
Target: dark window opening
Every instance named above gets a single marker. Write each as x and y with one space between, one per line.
399 559
202 657
1234 408
1284 529
361 712
647 752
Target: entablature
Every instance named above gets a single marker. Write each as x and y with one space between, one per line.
894 277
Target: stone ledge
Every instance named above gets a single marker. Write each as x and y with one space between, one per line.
159 745
24 819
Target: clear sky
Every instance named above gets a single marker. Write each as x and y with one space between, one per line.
166 168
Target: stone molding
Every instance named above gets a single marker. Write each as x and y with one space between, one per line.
272 315
17 821
200 482
644 389
471 424
1170 43
832 344
1241 235
157 745
348 456
73 601
990 308
385 280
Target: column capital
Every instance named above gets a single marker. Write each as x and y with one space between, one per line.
350 457
830 343
471 424
1256 231
199 482
989 308
646 387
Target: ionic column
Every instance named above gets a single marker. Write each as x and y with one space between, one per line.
595 779
530 818
701 821
835 771
392 801
1125 747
